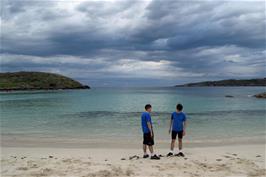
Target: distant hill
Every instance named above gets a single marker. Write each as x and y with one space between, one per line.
224 83
37 81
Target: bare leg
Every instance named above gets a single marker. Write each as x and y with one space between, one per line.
145 149
151 149
172 144
179 144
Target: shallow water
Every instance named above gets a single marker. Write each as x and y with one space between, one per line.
114 114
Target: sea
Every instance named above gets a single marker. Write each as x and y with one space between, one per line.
112 116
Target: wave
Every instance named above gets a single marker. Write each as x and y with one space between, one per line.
97 114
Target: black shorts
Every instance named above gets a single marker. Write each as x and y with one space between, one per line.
179 133
147 139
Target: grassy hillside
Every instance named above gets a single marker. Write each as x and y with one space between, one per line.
37 81
231 82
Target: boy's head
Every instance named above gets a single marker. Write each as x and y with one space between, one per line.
148 107
179 107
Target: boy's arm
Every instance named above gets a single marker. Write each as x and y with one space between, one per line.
184 127
150 128
170 128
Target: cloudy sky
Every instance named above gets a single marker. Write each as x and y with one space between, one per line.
135 43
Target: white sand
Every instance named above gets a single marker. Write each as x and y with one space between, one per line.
235 160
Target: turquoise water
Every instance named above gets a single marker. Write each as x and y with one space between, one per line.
109 113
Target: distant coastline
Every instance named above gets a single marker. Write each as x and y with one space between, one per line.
27 81
227 83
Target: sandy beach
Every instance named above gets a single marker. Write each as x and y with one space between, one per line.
85 83
233 160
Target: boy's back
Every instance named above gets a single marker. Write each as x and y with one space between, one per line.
178 119
177 127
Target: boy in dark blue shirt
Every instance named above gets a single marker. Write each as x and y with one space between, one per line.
177 127
148 136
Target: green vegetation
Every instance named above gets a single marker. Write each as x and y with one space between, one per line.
224 83
37 81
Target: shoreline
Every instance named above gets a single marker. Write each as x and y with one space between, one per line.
234 160
114 143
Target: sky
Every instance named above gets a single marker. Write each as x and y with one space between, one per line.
135 43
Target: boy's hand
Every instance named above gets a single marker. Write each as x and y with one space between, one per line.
151 134
169 131
184 132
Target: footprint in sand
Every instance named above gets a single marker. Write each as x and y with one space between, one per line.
31 164
76 161
228 157
22 168
67 160
43 172
134 157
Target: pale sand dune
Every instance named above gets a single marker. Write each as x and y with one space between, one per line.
237 160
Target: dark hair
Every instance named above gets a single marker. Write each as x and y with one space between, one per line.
179 107
147 106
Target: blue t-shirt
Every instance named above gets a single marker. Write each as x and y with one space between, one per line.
178 119
145 117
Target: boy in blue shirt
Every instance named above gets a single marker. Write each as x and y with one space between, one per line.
177 127
148 136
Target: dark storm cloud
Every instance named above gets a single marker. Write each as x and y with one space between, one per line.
188 39
197 24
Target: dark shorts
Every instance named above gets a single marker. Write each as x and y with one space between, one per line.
147 139
179 133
